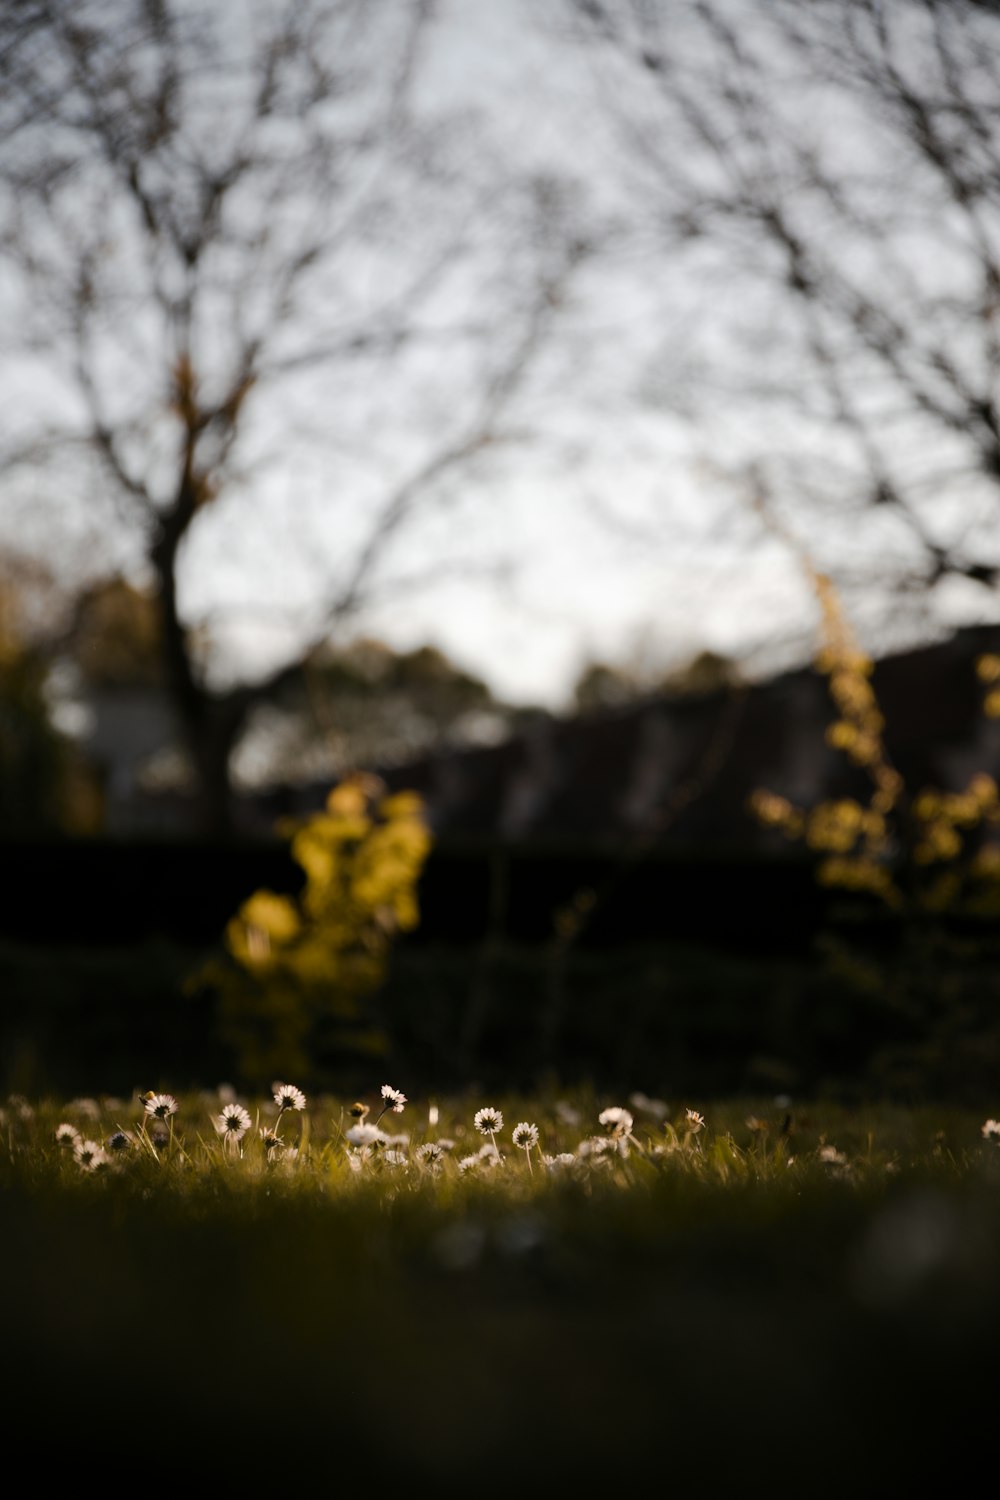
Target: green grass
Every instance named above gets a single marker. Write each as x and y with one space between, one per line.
732 1313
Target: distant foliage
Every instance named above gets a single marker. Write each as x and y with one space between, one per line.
44 786
906 848
298 968
31 752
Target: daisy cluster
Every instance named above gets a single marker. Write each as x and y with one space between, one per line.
357 1143
365 1141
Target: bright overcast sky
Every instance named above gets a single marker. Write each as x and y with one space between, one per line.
605 513
627 544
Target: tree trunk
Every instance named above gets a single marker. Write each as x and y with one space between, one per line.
210 742
210 723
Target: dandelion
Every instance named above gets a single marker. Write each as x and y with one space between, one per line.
67 1135
233 1123
619 1120
990 1131
287 1096
160 1106
394 1100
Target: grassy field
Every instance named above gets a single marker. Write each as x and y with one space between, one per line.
779 1298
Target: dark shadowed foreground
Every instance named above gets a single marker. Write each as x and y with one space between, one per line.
736 1337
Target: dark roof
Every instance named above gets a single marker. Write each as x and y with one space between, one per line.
681 770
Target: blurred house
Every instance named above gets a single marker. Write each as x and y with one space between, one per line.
659 787
675 767
679 770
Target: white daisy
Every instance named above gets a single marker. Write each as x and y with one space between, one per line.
525 1135
160 1106
596 1145
619 1120
560 1160
67 1135
646 1105
287 1096
89 1154
394 1098
990 1131
395 1159
366 1135
430 1154
568 1113
87 1107
233 1123
694 1121
468 1163
488 1121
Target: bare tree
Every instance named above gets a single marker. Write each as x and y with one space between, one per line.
230 241
824 181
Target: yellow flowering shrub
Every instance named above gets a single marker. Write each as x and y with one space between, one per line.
869 845
298 968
